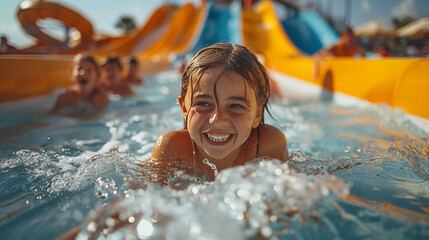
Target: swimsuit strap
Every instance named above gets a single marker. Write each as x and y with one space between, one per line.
257 144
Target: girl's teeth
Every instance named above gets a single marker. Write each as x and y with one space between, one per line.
218 138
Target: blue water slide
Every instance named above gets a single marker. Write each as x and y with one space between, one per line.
222 25
309 31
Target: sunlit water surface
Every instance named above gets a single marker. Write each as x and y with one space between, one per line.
358 171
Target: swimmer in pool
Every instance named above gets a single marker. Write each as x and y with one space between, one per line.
346 47
112 70
224 93
87 91
132 72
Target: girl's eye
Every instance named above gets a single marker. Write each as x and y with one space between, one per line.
202 104
80 71
237 107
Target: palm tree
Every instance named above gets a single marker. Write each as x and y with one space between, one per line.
126 23
400 22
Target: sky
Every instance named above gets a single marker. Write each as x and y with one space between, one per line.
103 14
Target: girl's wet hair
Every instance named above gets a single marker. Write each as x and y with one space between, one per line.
234 58
132 60
113 60
88 58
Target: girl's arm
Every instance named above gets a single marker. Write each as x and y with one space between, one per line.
100 100
62 101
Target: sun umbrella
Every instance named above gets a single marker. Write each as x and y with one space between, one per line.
417 28
373 28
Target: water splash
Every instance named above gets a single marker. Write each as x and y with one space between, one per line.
244 202
212 166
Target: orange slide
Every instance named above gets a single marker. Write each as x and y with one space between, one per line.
141 39
24 76
178 37
31 11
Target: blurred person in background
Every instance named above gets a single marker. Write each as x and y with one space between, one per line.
113 82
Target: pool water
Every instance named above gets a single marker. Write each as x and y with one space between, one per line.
358 171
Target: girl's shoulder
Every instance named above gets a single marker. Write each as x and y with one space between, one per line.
70 94
268 131
175 138
171 144
272 142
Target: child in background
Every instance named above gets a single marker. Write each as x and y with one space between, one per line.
345 47
112 70
224 93
5 47
86 74
132 74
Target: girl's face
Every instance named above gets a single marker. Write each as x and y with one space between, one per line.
86 76
112 73
219 126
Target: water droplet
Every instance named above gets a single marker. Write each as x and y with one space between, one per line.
144 229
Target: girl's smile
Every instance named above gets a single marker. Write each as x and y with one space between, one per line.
82 81
217 138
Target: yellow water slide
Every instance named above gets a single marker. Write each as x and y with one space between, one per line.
179 36
399 82
154 28
263 33
411 92
24 76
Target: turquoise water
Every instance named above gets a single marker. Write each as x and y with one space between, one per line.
358 171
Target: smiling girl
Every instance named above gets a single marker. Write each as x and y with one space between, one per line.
224 93
87 92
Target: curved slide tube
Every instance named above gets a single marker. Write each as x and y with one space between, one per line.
371 79
309 31
411 91
222 25
178 37
277 48
31 11
154 28
263 33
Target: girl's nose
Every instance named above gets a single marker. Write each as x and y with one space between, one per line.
213 118
218 116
